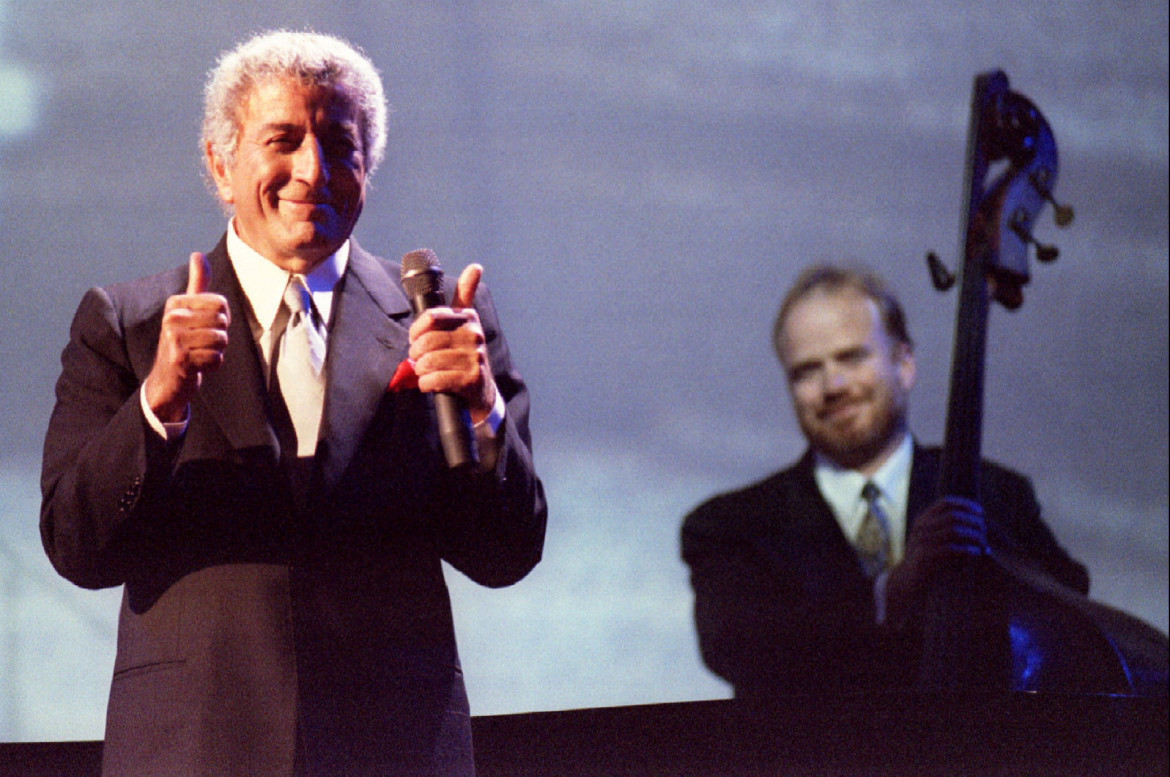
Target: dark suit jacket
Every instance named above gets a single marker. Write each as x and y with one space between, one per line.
781 602
257 619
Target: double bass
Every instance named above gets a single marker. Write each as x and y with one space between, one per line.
991 622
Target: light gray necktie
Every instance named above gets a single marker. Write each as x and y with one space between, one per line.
873 538
300 366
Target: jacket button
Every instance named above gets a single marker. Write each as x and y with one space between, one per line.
131 495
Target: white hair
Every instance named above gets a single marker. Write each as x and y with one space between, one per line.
306 56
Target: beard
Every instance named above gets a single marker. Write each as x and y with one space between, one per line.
859 441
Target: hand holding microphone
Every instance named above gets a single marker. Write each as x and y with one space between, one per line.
449 352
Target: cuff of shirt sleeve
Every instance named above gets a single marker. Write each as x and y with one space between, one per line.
491 424
167 431
485 436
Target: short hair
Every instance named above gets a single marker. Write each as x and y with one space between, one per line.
836 278
307 56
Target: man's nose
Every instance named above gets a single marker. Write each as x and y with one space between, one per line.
309 161
834 379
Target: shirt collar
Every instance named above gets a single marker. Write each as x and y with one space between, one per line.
893 478
841 487
895 468
263 282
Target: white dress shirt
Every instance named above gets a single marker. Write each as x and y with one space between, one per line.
263 284
841 488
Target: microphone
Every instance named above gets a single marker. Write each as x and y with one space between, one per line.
422 280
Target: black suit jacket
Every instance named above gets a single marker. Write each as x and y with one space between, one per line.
782 604
259 619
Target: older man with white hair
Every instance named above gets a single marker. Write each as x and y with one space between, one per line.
234 443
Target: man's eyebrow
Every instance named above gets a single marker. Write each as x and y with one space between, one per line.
277 126
804 365
346 125
347 128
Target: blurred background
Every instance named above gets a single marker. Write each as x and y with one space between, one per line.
641 181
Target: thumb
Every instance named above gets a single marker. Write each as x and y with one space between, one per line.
199 274
468 283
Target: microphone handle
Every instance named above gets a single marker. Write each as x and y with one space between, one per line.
454 420
455 431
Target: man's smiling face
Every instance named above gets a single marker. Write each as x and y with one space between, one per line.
850 380
298 179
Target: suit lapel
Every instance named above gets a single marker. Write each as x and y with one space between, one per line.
793 505
233 396
816 517
367 341
821 550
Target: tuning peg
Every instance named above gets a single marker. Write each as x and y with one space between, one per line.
942 278
1044 252
1062 214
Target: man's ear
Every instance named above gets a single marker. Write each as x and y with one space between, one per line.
217 167
907 365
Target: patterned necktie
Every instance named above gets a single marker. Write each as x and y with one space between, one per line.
873 538
300 366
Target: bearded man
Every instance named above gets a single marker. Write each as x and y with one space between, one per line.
813 579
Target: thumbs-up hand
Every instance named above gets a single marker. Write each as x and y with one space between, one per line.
191 341
198 274
449 350
467 286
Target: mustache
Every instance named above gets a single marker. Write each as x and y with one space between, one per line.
835 403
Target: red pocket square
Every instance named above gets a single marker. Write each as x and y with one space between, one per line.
404 377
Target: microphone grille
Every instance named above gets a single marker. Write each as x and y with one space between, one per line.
421 273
